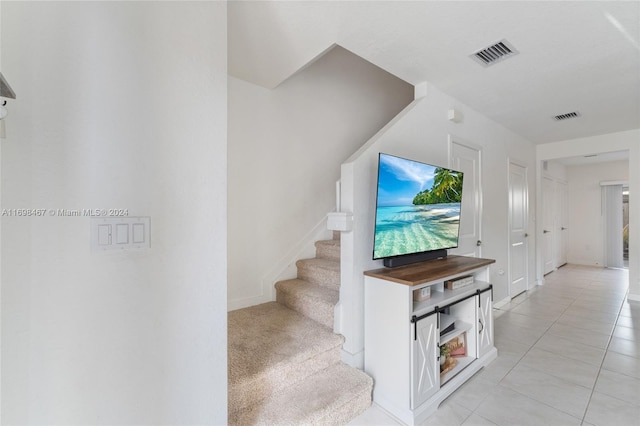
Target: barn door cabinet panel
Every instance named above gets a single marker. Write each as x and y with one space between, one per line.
424 361
420 350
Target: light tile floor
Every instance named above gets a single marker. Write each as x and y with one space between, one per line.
568 354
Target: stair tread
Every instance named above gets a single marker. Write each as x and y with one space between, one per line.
319 262
263 337
330 396
310 299
308 289
332 243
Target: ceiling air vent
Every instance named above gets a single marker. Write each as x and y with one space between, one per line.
494 54
567 116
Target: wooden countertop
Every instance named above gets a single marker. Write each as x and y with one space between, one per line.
430 270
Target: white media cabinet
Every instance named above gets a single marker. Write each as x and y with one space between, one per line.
403 336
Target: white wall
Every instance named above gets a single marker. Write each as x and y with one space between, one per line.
586 233
421 132
285 150
613 142
556 171
120 105
0 236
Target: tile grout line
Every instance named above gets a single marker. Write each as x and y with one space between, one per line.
595 383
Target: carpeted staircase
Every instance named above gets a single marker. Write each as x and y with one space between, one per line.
284 359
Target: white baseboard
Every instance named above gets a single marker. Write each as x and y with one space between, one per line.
232 305
354 360
633 297
501 303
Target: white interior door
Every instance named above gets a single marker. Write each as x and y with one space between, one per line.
562 225
465 158
547 223
518 229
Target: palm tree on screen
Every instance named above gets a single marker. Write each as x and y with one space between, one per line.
447 185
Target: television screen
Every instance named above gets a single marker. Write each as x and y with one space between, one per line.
417 207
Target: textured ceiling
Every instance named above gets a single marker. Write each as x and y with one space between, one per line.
581 55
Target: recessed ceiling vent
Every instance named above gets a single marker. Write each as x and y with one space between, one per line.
494 54
567 116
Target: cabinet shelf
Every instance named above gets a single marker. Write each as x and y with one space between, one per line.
463 362
441 298
461 327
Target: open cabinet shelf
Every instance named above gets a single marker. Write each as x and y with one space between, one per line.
461 364
461 327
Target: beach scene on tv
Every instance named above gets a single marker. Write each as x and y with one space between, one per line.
418 207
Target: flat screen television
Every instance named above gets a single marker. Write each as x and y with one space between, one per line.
417 211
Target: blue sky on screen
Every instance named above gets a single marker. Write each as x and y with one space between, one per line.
400 180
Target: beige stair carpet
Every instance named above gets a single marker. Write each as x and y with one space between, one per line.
331 397
284 359
271 347
328 249
313 301
323 272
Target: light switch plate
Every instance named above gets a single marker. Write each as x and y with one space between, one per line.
104 234
120 233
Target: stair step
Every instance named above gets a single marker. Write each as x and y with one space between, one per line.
324 272
333 396
328 249
270 348
311 300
